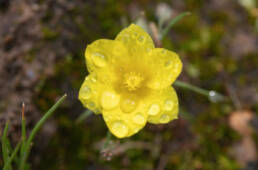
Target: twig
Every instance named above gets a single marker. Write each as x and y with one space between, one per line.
233 96
155 34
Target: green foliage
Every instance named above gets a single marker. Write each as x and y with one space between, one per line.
172 22
24 146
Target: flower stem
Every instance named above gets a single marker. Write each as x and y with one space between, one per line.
191 87
212 95
107 140
83 116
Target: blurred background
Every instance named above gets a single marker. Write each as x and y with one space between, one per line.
42 45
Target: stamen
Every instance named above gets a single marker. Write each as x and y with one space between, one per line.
132 81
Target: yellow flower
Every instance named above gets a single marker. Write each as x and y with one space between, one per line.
130 81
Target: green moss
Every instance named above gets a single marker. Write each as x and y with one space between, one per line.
49 34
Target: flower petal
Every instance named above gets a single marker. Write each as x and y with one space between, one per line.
91 91
163 105
166 66
101 56
136 40
127 119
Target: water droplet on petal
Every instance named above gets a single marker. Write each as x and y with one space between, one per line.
164 118
164 52
139 119
99 59
133 49
86 92
135 35
141 39
119 129
92 105
168 64
117 51
128 105
154 109
176 66
109 100
168 105
125 38
93 78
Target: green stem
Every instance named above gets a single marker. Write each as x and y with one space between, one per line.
23 130
107 140
212 95
36 129
191 87
4 143
7 165
83 116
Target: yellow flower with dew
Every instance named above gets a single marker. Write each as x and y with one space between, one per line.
130 81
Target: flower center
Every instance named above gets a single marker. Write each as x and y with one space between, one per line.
132 80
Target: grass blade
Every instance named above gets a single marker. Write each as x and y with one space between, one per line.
36 128
172 22
7 165
23 124
5 143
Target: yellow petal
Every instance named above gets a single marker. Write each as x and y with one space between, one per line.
166 66
127 119
136 40
92 94
101 56
162 105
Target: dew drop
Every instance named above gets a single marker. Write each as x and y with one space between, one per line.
133 49
148 50
176 67
164 52
128 105
99 59
93 78
168 105
109 100
154 109
135 35
86 92
125 38
92 105
139 119
215 97
119 129
118 51
141 39
168 64
164 118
